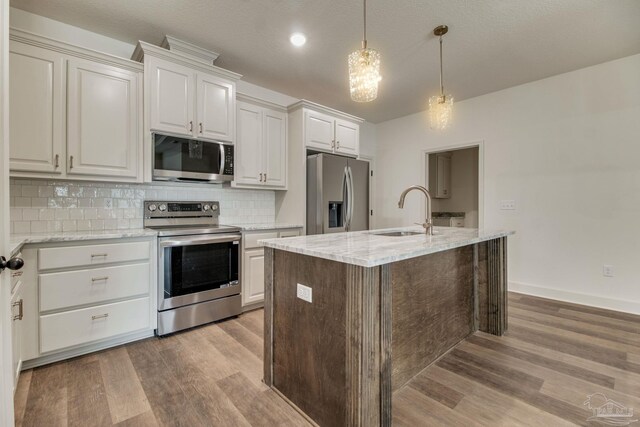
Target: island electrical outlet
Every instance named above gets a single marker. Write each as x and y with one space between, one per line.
304 292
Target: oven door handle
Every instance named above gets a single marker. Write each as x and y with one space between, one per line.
200 240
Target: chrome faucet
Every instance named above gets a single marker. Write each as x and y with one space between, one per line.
428 223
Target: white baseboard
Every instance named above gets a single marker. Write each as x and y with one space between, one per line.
632 307
86 349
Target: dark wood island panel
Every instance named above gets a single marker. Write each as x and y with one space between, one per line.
369 330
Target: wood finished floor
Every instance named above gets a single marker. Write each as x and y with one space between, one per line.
554 355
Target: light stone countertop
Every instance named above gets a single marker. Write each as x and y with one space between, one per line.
366 249
265 226
16 241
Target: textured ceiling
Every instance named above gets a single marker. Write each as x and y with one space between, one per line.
491 45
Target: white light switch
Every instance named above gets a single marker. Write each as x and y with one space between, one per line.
507 205
304 292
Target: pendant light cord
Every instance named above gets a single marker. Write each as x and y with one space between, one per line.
364 32
441 84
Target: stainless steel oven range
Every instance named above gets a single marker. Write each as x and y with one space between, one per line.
198 264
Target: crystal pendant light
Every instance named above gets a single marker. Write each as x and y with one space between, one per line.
364 69
440 106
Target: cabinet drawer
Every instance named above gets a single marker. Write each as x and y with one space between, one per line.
251 240
80 256
73 288
58 331
289 233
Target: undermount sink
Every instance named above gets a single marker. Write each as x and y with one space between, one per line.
398 233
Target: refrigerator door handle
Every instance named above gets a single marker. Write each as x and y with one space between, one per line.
351 196
345 198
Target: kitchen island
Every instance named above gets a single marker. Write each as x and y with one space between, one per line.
382 306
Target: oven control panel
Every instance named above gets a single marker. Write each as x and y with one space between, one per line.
165 209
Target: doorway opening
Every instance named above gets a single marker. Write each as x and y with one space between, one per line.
453 176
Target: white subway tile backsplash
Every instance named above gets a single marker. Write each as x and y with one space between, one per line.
69 226
52 205
21 226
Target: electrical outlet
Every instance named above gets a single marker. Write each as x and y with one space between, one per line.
607 270
508 205
304 293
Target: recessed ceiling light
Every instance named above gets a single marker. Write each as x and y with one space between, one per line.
297 39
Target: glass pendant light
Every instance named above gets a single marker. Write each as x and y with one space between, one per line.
440 106
364 69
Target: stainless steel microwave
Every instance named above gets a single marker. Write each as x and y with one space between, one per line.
184 159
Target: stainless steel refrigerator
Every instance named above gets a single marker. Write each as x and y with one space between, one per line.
337 194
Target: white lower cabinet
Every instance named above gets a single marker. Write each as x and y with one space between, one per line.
84 326
17 316
253 264
85 296
253 290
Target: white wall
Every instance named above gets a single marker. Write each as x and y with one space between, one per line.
567 150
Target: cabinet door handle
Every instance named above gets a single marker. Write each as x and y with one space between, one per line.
338 145
57 162
260 177
265 177
100 316
333 143
20 315
99 279
191 126
200 127
70 162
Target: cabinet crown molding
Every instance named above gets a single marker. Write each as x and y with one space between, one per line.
143 48
36 40
199 54
260 102
323 109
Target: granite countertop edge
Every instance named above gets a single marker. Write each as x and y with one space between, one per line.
17 241
367 255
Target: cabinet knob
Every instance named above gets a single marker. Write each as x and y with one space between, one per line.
12 264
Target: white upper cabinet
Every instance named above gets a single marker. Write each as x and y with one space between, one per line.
189 102
261 147
443 176
347 137
37 108
248 154
329 130
275 148
75 113
172 88
319 130
102 124
216 119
